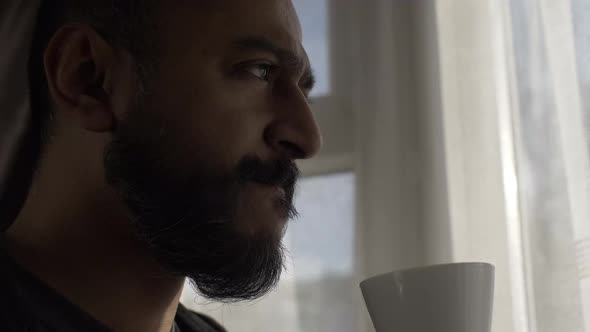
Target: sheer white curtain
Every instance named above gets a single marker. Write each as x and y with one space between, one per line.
473 144
552 52
431 102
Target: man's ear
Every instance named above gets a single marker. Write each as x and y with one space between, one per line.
78 66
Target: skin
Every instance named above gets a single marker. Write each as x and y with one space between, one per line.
213 94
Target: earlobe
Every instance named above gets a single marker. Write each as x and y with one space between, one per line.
77 66
95 116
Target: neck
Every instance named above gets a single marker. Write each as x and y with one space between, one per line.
82 246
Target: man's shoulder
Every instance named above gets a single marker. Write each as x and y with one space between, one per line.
191 321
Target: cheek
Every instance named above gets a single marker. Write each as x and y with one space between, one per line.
216 131
217 117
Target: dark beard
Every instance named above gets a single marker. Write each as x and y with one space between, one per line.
189 222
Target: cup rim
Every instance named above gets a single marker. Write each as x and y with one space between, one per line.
431 267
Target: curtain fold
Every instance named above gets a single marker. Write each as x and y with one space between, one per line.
431 186
473 121
551 51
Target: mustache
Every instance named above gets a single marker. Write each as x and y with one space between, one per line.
282 172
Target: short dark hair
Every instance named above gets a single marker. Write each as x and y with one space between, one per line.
127 24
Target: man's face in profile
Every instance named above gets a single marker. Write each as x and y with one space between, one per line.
204 159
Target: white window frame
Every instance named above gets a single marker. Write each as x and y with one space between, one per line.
334 112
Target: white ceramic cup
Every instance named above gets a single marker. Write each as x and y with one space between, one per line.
440 298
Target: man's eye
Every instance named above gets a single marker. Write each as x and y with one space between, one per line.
261 71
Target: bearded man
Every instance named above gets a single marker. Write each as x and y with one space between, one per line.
165 136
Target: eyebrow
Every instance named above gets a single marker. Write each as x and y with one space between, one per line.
285 56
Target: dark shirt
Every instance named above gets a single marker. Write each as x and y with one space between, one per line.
28 305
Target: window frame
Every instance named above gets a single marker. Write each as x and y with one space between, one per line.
334 112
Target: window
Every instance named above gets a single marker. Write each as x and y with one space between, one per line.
313 15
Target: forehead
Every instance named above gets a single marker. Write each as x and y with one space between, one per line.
217 22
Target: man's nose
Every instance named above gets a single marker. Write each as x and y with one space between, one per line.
295 133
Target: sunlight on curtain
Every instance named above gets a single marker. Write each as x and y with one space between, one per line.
317 292
552 49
